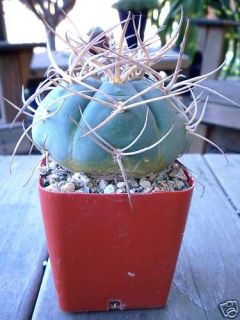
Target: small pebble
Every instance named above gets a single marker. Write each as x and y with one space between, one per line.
52 187
145 183
133 190
175 166
109 189
120 190
84 179
43 170
57 179
60 172
61 183
76 178
178 184
52 165
45 183
68 187
133 183
147 190
170 185
53 178
179 174
162 175
86 189
79 191
93 190
139 189
102 185
152 176
121 184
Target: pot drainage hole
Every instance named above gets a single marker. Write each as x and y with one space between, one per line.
115 305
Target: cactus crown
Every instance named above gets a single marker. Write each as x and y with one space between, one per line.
110 111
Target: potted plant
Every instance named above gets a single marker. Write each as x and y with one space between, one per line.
139 10
114 199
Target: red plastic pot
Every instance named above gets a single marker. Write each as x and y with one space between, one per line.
105 255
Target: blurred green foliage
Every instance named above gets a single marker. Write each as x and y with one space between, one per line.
169 11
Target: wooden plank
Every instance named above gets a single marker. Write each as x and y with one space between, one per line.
213 50
220 115
211 248
6 47
227 139
9 138
15 61
228 88
11 84
208 268
228 175
208 22
178 307
197 144
211 41
40 62
219 111
168 63
22 241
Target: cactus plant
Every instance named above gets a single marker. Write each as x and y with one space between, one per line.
111 112
147 137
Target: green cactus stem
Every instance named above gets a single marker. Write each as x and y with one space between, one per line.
65 139
111 112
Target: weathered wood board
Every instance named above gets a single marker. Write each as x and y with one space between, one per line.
220 111
22 241
9 138
228 175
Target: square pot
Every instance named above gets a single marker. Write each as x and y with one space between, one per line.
106 255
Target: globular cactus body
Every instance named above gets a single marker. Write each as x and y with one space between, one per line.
63 134
111 112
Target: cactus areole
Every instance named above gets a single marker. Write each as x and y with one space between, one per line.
111 112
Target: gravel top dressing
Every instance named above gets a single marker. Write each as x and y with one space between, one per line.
57 179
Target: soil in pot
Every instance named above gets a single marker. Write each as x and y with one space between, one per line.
56 178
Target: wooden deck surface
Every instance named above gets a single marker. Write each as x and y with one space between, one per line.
208 268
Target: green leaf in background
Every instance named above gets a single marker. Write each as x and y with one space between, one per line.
229 10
